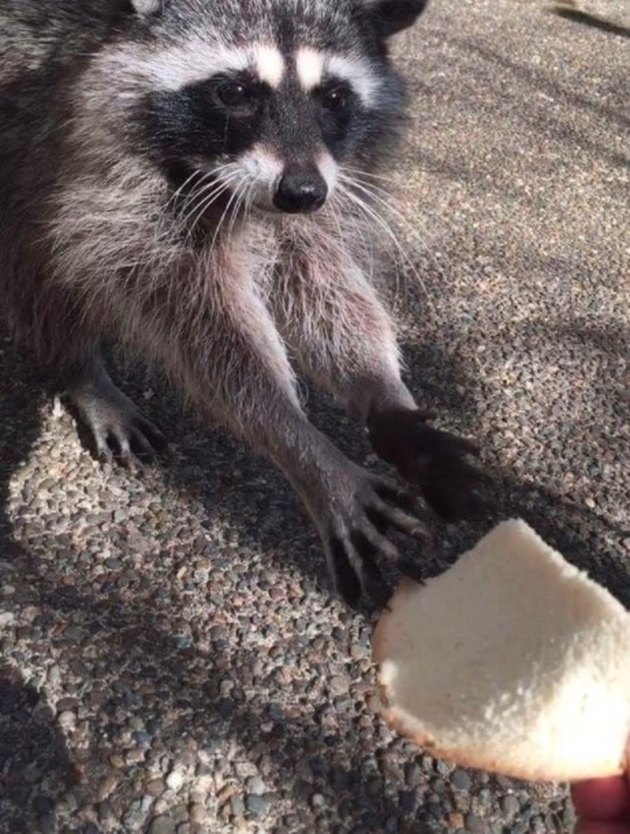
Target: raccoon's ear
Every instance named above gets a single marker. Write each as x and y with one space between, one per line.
146 7
395 15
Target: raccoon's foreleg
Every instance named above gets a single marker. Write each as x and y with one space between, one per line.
345 340
115 423
230 360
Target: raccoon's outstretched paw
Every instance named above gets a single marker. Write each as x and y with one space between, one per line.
117 427
361 517
437 461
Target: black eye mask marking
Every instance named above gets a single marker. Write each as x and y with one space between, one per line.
338 111
220 115
240 96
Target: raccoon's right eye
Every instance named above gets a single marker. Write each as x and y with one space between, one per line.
232 94
235 94
335 97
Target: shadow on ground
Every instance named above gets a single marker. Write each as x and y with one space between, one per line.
35 767
592 20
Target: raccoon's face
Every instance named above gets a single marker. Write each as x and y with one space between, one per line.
268 100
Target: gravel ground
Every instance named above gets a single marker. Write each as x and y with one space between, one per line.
174 661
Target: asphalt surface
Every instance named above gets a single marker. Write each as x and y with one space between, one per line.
173 660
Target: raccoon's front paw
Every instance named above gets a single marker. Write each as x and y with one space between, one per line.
117 427
434 459
361 512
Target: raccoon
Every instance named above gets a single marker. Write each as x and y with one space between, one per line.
191 179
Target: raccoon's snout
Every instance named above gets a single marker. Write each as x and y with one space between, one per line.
300 191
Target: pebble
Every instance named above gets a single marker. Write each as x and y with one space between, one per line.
484 797
54 675
414 775
117 761
106 813
475 824
197 812
238 805
64 704
255 785
444 768
439 786
358 651
257 806
510 805
134 815
179 813
339 685
107 785
455 821
155 787
428 763
436 809
162 825
67 720
461 779
135 756
175 780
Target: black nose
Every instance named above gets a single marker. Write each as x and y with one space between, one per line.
301 190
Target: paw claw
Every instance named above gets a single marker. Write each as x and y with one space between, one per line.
119 431
346 580
359 541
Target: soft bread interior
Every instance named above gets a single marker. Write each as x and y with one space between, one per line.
512 661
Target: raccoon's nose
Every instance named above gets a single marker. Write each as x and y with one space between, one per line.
301 190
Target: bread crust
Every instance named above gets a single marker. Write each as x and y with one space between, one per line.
529 772
539 770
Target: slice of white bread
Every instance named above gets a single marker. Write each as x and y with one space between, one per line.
512 661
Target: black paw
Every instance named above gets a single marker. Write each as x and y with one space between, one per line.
437 461
365 510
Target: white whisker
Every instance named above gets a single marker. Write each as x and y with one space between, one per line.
204 202
372 213
226 213
385 202
242 187
203 207
205 177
